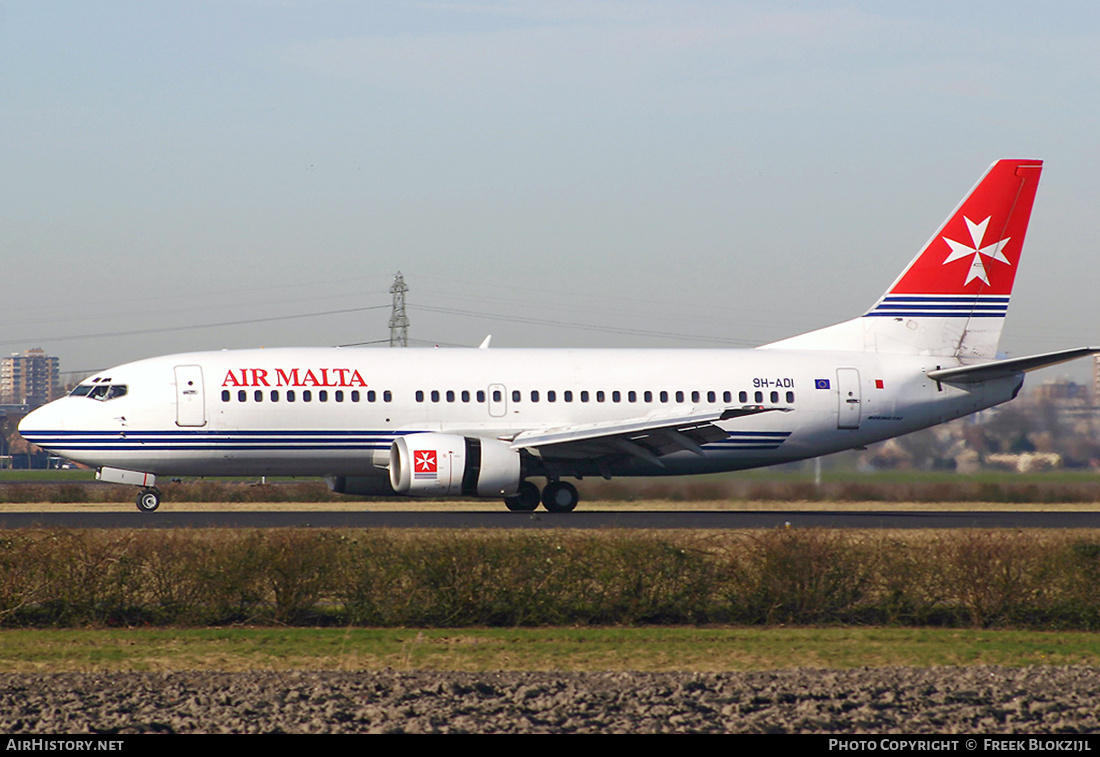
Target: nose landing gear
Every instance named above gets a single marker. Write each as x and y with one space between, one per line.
148 499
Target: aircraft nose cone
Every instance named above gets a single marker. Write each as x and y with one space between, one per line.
34 423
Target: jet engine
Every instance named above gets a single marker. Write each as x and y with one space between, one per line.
439 465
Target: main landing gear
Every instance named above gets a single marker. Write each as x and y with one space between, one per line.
149 499
556 497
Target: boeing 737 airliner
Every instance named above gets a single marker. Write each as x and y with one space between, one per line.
482 422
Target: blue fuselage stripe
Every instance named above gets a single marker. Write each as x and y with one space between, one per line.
205 441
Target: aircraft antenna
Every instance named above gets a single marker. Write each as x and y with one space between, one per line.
399 322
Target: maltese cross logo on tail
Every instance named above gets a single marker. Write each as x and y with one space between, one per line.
976 252
960 250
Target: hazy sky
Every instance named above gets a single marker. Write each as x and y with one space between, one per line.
554 173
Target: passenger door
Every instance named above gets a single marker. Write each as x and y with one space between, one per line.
849 399
190 402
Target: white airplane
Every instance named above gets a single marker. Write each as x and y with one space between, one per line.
481 422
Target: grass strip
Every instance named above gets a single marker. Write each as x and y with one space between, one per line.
704 649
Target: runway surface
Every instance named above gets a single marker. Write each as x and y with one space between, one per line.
682 519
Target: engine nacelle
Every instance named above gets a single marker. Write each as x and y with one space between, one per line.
440 465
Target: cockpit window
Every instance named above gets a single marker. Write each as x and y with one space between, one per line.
101 392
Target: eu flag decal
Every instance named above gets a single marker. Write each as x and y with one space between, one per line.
821 383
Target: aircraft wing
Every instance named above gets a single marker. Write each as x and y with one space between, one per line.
969 374
646 438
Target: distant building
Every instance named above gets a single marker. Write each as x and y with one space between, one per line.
1061 391
32 379
1096 379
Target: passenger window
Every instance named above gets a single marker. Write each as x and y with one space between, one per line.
647 396
631 396
551 396
387 396
465 395
515 395
242 396
679 396
225 395
322 396
450 395
775 397
419 395
743 397
290 395
497 396
567 395
759 396
259 396
274 395
727 396
534 395
435 395
584 395
664 396
338 395
599 396
371 396
712 397
354 395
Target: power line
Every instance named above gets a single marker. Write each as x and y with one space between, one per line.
398 330
584 326
135 332
424 342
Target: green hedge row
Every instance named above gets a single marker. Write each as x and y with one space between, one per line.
201 490
1052 488
443 579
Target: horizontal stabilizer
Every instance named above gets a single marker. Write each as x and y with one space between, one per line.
970 374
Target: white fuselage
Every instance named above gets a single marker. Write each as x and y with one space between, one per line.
336 412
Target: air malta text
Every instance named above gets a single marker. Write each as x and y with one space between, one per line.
294 377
